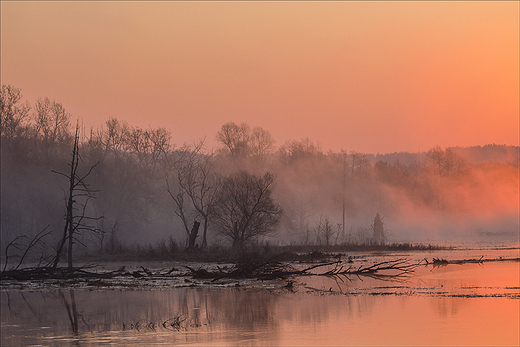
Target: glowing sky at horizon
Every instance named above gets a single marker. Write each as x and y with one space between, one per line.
364 76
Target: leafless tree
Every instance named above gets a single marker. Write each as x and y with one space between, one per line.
454 165
114 138
130 175
78 196
197 185
235 139
182 210
245 209
24 249
261 142
444 162
299 206
299 150
159 144
357 164
52 121
13 113
325 230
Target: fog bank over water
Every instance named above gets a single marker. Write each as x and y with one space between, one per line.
144 189
418 204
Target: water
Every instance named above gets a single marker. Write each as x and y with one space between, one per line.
469 304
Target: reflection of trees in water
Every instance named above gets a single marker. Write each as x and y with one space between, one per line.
317 309
72 312
225 312
246 310
33 311
242 309
73 315
77 312
21 306
448 306
80 311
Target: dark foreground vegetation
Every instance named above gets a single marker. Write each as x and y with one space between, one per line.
171 251
163 251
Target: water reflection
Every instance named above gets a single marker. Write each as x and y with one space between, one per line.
450 305
72 312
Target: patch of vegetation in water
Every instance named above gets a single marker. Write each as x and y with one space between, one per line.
226 255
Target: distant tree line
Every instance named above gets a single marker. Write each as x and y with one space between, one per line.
146 189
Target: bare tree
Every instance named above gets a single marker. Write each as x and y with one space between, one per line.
298 150
245 209
454 165
115 138
299 206
18 244
444 162
13 113
434 160
52 121
75 216
198 184
138 142
201 185
130 175
159 144
261 142
235 139
325 230
357 164
178 194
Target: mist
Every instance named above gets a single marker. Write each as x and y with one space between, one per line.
444 195
478 201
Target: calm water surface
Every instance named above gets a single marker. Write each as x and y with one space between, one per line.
470 304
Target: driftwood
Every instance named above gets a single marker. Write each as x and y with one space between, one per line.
274 270
49 272
266 270
481 260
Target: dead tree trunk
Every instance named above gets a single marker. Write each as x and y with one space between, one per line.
78 194
194 233
68 230
74 167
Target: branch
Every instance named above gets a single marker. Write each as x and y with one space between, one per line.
15 245
33 242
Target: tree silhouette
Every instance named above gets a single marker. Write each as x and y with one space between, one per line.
245 209
77 198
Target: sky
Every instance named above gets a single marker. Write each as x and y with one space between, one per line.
372 77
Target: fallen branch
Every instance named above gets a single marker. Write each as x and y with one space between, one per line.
278 271
443 262
400 266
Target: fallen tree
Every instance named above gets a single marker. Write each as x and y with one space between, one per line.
251 269
444 262
276 270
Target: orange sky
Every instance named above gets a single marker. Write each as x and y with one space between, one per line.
370 77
